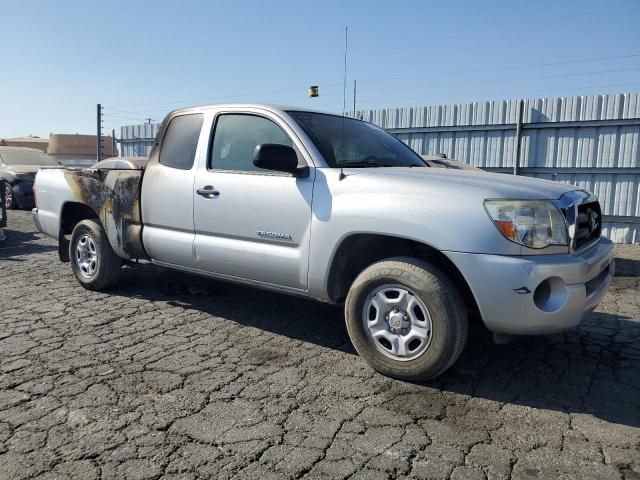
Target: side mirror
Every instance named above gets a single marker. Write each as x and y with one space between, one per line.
272 156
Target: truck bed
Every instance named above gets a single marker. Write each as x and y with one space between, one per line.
114 196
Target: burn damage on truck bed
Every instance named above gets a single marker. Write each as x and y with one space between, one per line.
114 195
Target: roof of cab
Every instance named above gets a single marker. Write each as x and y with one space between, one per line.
264 106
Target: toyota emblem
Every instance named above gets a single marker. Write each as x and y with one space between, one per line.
593 221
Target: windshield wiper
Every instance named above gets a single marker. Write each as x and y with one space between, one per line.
365 164
373 161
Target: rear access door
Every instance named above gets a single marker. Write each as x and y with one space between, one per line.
167 191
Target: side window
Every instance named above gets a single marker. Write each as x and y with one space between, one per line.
236 137
180 141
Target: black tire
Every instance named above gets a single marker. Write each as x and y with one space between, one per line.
10 198
107 264
445 307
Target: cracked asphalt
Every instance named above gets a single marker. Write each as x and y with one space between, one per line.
171 376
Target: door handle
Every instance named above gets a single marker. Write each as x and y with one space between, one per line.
208 192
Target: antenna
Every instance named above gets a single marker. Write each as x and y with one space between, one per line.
354 99
344 99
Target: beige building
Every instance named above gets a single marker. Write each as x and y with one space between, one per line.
65 146
78 147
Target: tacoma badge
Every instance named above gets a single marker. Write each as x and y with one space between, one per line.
276 235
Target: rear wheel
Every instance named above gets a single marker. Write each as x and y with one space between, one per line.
406 319
93 261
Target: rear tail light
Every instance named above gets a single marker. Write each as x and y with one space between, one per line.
35 197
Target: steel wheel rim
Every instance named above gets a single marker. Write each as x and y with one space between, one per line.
86 256
397 322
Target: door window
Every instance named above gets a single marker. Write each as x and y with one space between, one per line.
180 142
236 137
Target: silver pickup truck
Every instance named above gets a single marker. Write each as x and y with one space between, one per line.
339 210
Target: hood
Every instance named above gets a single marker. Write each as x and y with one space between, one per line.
483 184
443 208
24 170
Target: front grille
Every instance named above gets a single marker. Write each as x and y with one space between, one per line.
588 224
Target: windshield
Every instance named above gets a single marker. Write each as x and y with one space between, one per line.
348 142
27 157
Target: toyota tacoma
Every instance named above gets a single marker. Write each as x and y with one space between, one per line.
339 210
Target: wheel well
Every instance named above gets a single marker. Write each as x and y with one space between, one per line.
72 213
359 251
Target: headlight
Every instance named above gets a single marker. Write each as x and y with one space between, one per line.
532 223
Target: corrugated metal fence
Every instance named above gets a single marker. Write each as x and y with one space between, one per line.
589 141
137 140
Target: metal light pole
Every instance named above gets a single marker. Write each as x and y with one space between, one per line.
519 115
99 132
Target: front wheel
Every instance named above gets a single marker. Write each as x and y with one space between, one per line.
93 261
406 319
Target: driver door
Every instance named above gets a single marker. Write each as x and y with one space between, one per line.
250 223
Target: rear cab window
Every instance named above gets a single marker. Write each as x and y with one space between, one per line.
180 141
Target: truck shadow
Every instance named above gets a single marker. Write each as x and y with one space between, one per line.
593 370
21 244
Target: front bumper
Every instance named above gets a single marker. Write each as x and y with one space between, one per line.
537 294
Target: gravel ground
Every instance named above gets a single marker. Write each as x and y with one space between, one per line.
170 376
